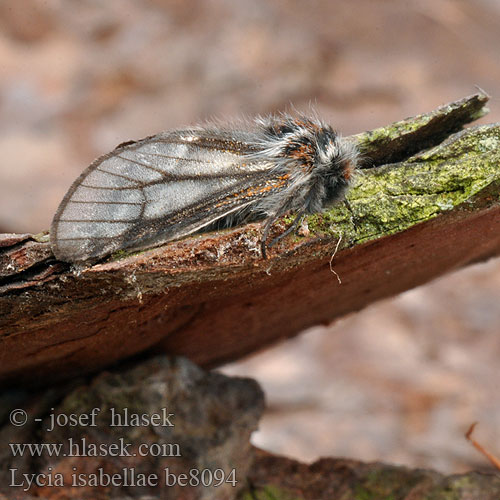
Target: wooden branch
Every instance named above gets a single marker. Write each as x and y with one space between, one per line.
415 213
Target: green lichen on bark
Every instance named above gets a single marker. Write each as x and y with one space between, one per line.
401 139
461 171
401 128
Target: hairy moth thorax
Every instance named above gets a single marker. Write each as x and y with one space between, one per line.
325 161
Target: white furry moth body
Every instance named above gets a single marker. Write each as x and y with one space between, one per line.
167 186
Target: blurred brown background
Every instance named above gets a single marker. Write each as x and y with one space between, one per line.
398 382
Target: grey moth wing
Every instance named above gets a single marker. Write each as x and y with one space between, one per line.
148 192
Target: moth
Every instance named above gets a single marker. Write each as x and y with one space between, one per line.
164 187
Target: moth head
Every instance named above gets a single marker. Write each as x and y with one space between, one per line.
337 159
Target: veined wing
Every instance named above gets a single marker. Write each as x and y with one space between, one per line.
164 187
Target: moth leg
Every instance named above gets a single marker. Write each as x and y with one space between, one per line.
294 225
265 233
285 206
